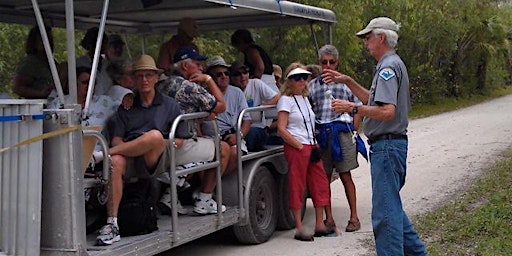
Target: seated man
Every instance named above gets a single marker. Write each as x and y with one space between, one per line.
197 92
140 144
235 100
256 93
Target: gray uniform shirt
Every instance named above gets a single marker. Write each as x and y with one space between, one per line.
390 85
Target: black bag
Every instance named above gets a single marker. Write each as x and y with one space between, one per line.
315 155
137 211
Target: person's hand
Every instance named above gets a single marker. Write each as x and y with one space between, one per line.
333 76
127 101
200 78
341 106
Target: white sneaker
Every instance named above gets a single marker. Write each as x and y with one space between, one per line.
108 235
166 206
207 207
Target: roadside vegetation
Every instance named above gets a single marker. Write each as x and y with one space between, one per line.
477 222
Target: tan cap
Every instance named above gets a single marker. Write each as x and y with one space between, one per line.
380 22
277 70
189 26
146 62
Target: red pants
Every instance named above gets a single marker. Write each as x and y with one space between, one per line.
301 172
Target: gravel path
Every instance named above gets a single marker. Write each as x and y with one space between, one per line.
446 152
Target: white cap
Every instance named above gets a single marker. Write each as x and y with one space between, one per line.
296 71
118 92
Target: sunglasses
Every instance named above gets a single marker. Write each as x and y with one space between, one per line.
330 62
241 73
298 77
219 74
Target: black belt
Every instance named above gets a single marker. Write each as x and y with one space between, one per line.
389 136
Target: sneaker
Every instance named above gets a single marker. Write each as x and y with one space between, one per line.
207 207
108 235
166 206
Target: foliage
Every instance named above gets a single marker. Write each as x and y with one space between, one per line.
452 49
477 223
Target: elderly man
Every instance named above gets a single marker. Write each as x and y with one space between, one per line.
336 131
140 144
386 120
256 93
197 92
236 102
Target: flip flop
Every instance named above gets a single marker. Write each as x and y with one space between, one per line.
303 237
327 232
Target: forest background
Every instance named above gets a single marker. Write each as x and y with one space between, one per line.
452 49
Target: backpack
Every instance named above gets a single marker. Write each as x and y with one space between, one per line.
137 211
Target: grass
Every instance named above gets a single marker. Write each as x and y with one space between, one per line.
449 104
479 222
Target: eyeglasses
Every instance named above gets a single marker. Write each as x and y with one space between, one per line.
298 77
330 62
145 75
241 73
219 74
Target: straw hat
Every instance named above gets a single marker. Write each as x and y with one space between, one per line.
146 62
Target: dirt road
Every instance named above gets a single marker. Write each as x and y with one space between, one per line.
446 152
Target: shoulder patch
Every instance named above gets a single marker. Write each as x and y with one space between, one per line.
387 73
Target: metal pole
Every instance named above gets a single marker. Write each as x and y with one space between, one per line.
97 53
48 50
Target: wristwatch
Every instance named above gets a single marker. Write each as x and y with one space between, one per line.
355 109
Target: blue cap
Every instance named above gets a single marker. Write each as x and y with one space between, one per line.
187 52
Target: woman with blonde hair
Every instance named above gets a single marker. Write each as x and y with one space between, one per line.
296 125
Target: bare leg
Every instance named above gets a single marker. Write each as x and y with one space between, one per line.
350 192
116 192
150 145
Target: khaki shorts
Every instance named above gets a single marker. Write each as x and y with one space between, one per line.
349 152
192 150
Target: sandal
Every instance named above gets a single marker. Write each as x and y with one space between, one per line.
327 232
303 237
353 226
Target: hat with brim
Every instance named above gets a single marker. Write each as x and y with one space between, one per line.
216 61
146 62
115 40
297 71
379 23
187 52
237 67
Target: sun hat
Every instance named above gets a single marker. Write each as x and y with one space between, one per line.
297 71
380 22
238 67
146 62
189 26
215 61
187 52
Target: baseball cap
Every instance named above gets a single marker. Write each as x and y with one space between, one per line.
277 70
187 52
380 22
